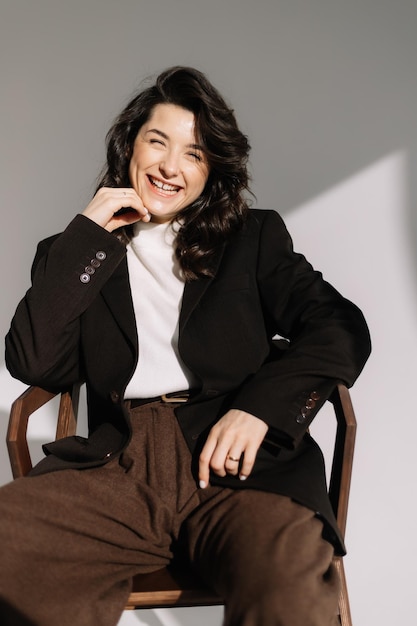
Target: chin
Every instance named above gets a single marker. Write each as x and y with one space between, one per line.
166 215
157 216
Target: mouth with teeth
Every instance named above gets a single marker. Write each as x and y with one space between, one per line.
165 188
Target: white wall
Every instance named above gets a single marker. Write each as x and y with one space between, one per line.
327 93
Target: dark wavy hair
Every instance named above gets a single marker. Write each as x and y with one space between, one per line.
221 209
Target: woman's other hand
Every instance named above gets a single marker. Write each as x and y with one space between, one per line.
231 446
113 207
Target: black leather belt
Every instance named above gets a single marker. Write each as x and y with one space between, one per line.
168 398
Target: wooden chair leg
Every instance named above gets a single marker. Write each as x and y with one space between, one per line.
344 608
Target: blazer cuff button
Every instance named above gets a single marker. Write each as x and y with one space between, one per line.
114 396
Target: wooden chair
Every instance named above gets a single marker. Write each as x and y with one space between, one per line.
173 586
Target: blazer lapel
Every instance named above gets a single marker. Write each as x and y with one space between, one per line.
117 294
195 289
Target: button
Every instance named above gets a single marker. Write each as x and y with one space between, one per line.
90 270
300 419
101 255
305 411
85 278
195 436
315 395
114 396
310 403
95 263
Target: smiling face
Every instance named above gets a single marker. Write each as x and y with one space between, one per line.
168 169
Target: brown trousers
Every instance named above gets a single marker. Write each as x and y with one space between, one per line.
71 540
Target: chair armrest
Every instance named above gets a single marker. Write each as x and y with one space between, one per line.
22 408
341 472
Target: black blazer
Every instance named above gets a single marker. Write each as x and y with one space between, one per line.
73 325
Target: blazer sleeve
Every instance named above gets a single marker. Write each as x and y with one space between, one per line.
327 339
43 343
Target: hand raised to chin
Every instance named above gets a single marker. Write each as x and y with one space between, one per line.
113 207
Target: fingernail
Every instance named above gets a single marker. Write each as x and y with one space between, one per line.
242 477
203 484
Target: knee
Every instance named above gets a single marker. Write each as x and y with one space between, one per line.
293 603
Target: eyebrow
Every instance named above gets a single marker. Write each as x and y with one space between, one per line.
193 146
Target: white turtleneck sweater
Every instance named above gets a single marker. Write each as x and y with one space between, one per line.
157 289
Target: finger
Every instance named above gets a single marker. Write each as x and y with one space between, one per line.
248 462
219 463
126 216
204 462
127 199
108 201
231 463
128 208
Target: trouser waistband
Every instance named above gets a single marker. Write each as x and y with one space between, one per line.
167 398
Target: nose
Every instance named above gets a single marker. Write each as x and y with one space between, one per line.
169 167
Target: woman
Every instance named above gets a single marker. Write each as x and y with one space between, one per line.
164 296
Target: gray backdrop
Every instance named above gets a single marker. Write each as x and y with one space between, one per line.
327 92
